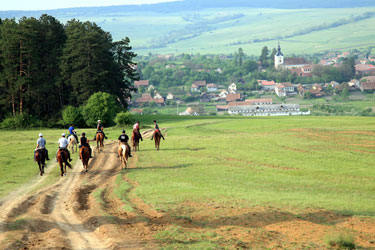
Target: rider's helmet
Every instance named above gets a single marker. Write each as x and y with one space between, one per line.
99 120
40 134
83 134
63 134
154 120
123 131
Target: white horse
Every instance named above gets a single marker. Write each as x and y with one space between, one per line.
72 143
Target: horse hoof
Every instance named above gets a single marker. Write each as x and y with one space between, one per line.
64 174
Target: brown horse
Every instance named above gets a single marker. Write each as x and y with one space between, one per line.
40 158
123 153
84 153
99 141
157 137
62 158
135 140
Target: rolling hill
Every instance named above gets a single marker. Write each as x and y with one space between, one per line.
220 27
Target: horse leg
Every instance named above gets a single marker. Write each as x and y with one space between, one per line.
61 168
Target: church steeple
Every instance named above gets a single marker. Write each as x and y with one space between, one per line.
279 58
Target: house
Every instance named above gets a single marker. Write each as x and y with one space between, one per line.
170 96
137 111
367 84
258 101
204 97
267 85
189 111
211 87
159 101
150 88
232 88
266 110
316 90
194 88
141 83
365 69
305 71
223 94
157 96
283 89
200 83
233 97
354 83
145 98
222 108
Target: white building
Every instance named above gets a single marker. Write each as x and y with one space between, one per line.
232 89
283 89
211 87
266 110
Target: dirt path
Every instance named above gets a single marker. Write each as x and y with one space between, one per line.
66 215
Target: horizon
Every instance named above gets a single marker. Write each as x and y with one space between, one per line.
25 5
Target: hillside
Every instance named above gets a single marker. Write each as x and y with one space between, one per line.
219 27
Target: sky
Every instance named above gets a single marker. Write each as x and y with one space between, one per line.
58 4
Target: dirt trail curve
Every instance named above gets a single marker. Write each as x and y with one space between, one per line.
66 215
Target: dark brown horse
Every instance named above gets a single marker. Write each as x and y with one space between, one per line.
62 158
40 158
123 153
157 137
135 140
84 153
99 141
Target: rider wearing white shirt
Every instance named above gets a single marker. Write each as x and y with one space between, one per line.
63 145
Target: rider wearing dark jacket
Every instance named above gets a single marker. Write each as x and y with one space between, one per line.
99 129
85 143
157 130
123 139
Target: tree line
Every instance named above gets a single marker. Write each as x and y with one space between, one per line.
46 65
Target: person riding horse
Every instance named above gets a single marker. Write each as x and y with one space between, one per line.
99 129
136 130
157 130
85 143
123 139
63 144
73 132
41 146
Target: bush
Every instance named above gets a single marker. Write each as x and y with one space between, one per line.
100 106
20 121
72 115
342 241
124 118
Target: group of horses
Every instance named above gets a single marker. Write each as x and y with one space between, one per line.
84 152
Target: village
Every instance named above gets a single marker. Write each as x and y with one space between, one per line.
269 97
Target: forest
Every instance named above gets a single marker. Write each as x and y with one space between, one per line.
46 65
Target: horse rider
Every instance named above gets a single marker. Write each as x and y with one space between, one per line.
85 143
136 129
41 145
99 129
123 139
73 132
157 130
63 145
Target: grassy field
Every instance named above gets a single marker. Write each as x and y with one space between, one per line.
213 174
225 30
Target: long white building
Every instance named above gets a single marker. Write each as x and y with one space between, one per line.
266 110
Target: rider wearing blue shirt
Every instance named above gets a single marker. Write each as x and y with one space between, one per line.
73 132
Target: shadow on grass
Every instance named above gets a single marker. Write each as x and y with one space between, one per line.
172 149
161 167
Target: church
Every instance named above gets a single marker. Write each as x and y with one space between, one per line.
289 63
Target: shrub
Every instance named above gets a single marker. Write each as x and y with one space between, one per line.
72 115
342 241
100 106
20 121
124 118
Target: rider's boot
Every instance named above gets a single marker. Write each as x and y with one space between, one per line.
47 155
162 136
70 159
130 152
90 152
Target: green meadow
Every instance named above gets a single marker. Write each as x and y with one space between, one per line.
298 162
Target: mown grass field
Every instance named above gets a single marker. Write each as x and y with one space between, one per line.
228 182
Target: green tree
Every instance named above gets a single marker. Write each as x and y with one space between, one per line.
241 55
72 115
264 57
100 106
